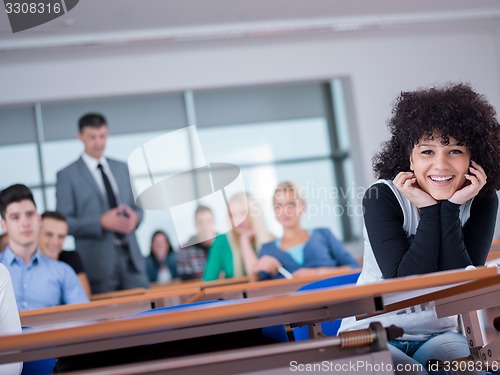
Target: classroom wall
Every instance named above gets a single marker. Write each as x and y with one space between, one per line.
379 64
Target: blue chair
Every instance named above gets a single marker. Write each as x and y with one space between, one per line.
174 307
328 328
40 367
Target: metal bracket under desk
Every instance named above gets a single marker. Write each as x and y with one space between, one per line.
339 311
330 355
489 353
467 305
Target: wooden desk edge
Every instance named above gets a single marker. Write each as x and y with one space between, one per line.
236 310
279 282
109 302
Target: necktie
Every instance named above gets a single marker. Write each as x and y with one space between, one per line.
111 195
109 190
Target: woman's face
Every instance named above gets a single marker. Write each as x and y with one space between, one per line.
160 246
241 215
439 168
288 208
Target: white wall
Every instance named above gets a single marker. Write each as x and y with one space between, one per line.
380 65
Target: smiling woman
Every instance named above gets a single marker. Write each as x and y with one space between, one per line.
447 115
299 252
440 170
433 208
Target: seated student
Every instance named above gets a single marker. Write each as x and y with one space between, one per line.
301 252
235 253
161 262
38 281
192 257
52 234
9 318
433 209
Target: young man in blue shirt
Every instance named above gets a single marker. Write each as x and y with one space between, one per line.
38 280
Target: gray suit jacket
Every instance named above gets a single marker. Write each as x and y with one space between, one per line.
81 201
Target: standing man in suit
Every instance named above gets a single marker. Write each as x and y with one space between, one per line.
95 195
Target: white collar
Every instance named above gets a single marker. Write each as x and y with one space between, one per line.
92 162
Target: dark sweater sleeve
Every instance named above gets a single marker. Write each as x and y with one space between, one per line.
461 247
397 254
73 259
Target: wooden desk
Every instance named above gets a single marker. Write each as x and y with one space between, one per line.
200 283
494 250
113 308
141 299
122 303
177 285
267 287
321 305
494 254
495 244
118 293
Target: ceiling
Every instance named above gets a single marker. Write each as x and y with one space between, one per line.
122 22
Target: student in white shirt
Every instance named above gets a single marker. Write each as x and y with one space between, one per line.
9 318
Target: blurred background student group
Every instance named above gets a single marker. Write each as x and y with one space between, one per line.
295 97
306 107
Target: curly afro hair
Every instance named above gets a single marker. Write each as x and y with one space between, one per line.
454 111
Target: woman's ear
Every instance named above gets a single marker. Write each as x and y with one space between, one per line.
411 163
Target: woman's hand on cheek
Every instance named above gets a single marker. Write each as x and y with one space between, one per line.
476 178
246 235
406 183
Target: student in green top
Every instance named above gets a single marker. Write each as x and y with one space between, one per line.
235 253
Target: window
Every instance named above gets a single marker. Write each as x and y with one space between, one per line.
295 131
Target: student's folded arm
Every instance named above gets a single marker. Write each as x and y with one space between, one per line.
250 261
461 247
395 253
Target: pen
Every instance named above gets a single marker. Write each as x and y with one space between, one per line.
285 273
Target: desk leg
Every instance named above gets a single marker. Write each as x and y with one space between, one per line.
472 329
490 353
315 331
